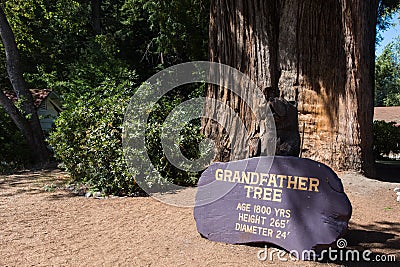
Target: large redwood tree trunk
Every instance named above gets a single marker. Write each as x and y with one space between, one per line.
318 53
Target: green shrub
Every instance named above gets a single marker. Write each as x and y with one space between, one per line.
386 138
189 143
88 138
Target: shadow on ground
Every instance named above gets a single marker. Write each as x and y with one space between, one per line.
388 171
28 182
363 239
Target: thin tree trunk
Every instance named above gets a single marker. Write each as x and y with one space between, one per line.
28 123
318 53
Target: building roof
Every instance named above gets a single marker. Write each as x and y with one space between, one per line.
387 114
38 95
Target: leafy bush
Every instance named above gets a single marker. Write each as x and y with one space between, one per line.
88 138
189 142
386 138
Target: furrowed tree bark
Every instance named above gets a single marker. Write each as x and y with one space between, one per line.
318 53
28 121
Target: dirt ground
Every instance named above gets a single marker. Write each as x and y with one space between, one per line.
42 223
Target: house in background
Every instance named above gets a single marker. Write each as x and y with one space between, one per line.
47 103
387 114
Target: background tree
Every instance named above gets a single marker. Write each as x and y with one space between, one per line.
94 53
386 11
387 90
318 53
387 76
26 118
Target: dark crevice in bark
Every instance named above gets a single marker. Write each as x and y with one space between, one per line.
274 15
298 24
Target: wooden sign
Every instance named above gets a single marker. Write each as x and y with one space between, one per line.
297 204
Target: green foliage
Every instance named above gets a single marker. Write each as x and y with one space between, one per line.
94 74
146 35
87 138
386 11
14 152
177 31
386 138
50 34
88 135
189 141
387 76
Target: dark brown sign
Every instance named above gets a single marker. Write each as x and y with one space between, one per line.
297 204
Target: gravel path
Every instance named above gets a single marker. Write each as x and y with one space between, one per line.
58 228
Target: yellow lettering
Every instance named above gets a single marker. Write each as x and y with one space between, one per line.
248 187
218 174
272 180
227 175
263 178
287 213
277 196
292 181
267 194
257 178
243 207
281 179
236 177
257 192
246 177
314 183
303 183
